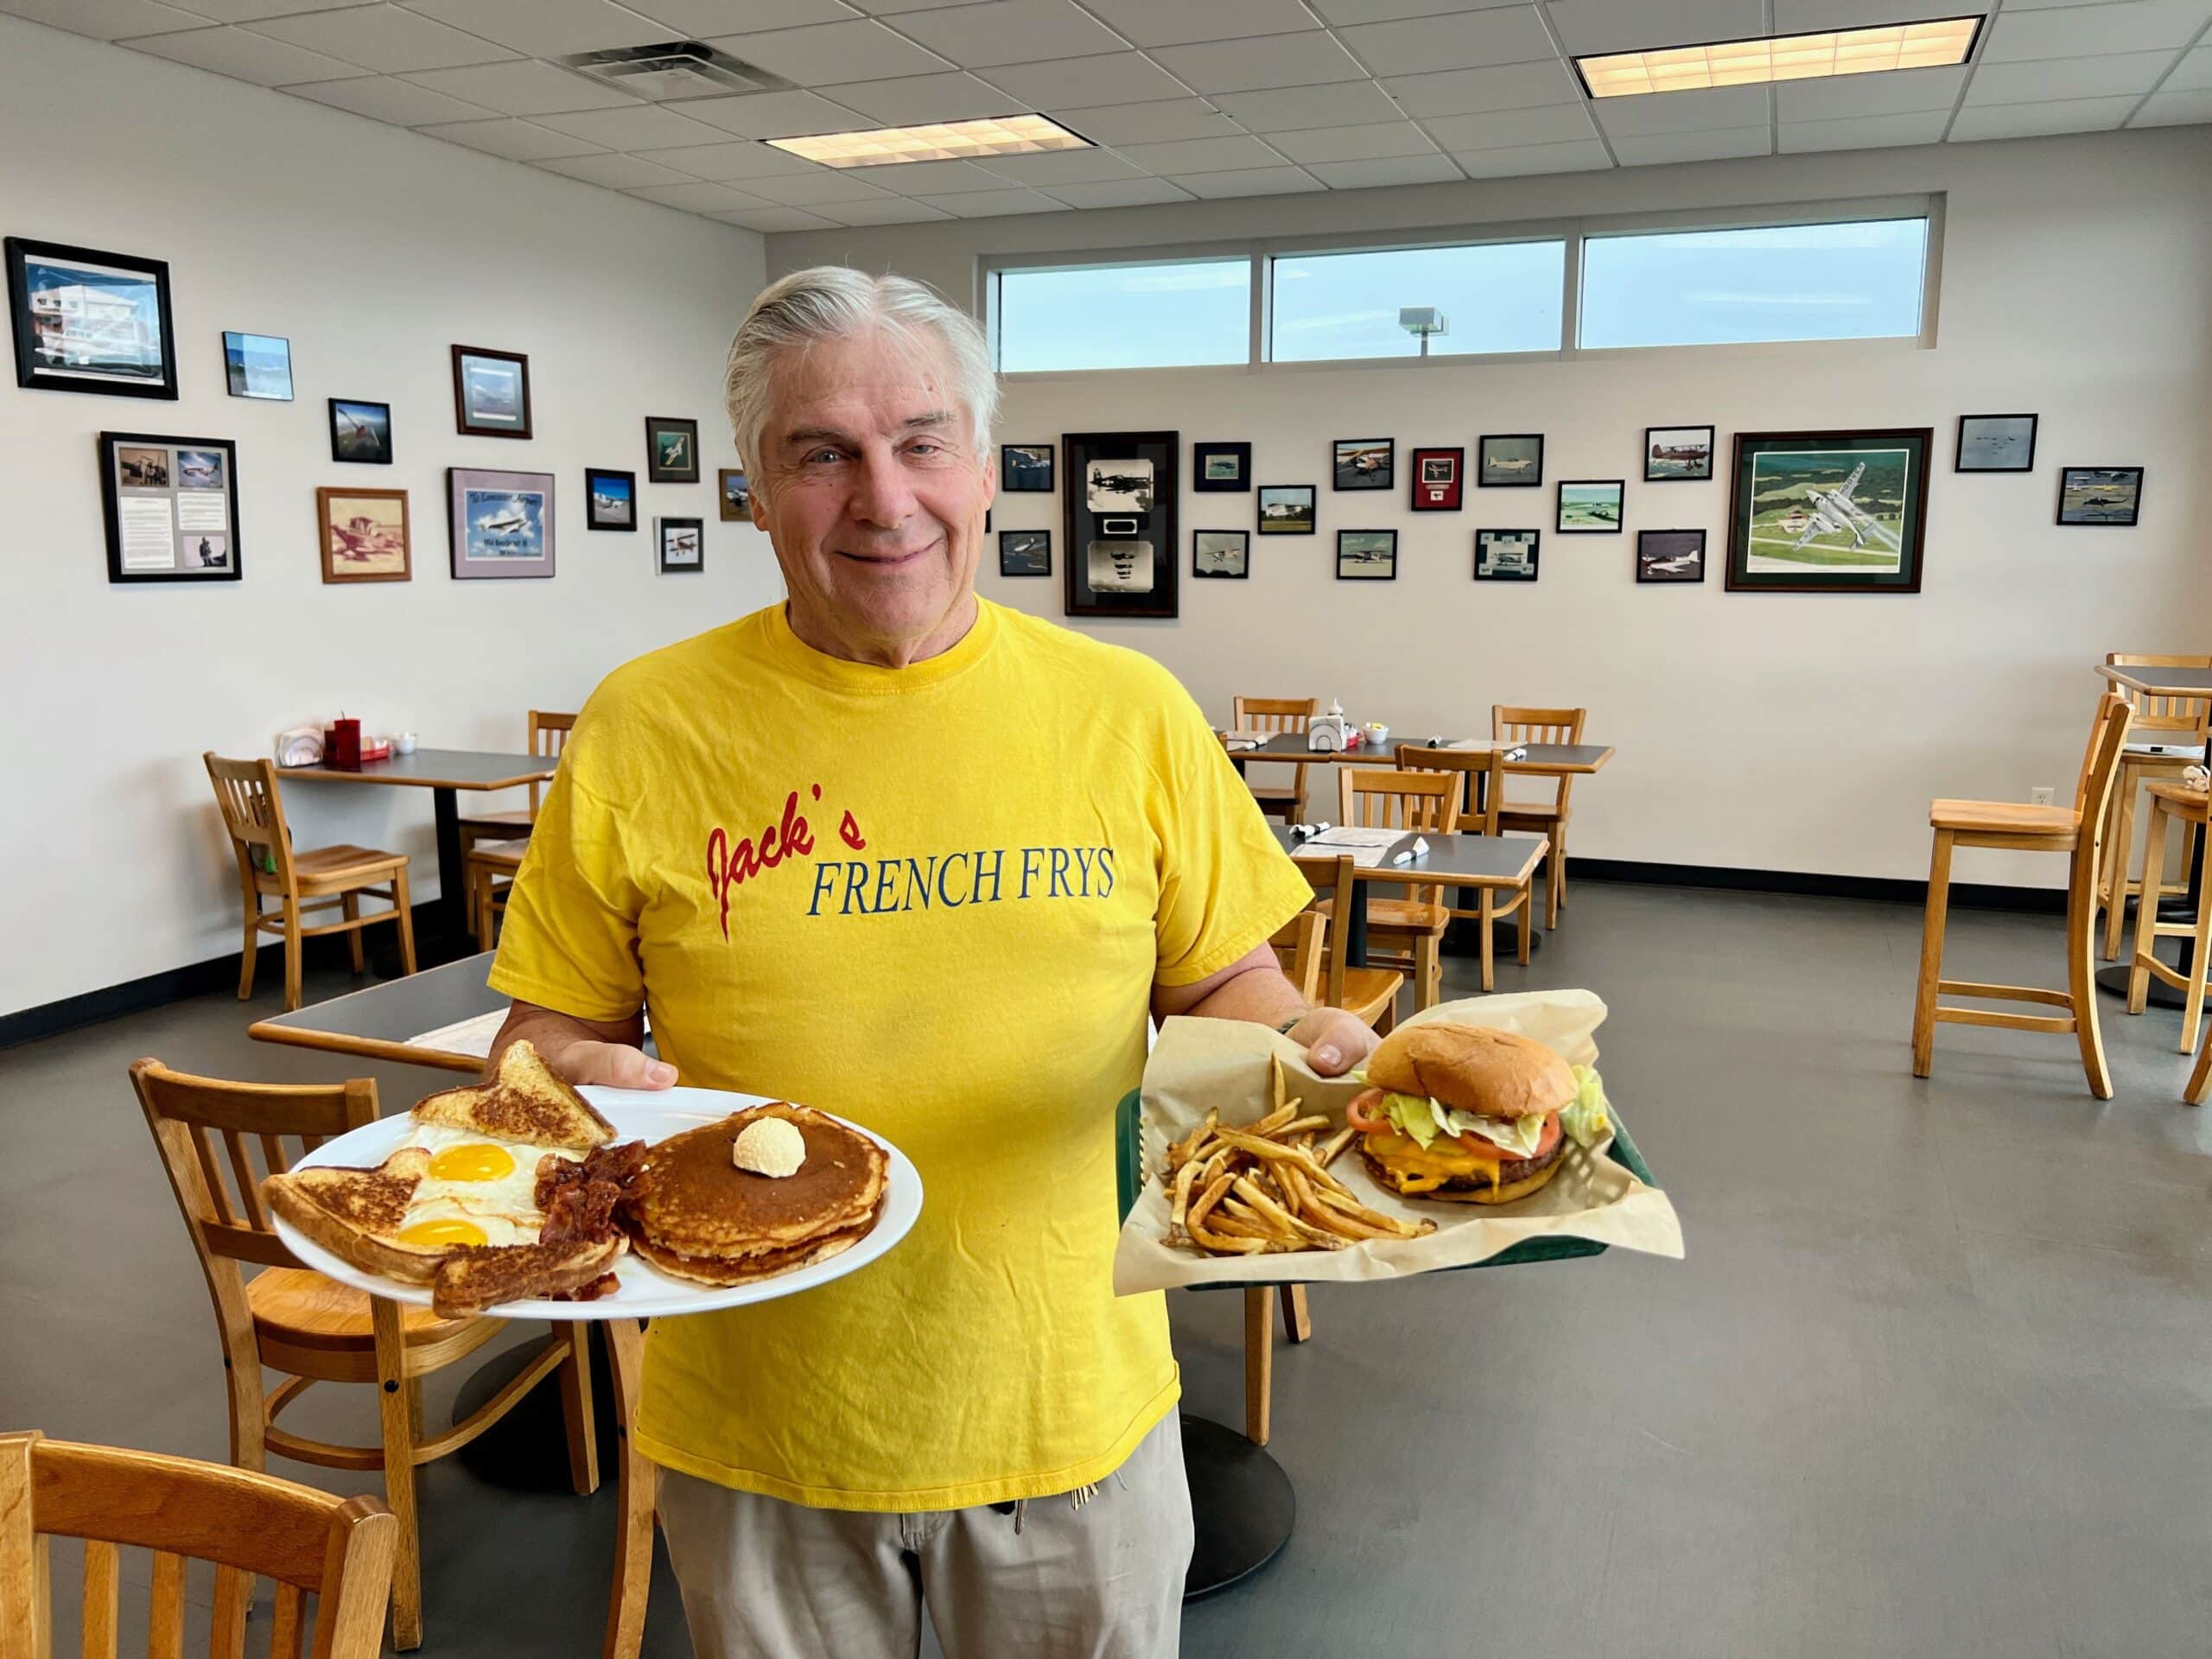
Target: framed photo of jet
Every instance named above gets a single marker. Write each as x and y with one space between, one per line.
1118 509
1364 463
501 524
1828 512
671 449
490 393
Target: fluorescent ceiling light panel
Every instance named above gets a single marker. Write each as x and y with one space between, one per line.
943 141
1938 44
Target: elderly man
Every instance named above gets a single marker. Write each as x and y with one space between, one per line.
892 850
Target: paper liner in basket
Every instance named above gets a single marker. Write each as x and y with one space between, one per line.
1222 1066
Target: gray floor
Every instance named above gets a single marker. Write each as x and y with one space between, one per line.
1935 1378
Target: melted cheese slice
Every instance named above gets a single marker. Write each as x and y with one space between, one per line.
1440 1160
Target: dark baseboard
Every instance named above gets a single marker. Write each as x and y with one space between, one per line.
1965 895
195 979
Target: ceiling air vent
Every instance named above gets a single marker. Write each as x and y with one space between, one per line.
673 70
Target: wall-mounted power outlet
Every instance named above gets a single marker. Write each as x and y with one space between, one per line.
2042 794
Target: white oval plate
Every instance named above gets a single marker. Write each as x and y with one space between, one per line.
646 1293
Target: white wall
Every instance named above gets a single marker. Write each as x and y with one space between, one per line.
374 250
1755 730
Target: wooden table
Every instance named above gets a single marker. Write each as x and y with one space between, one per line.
1498 861
2149 682
445 772
1537 760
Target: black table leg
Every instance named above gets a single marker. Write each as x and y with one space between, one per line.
1354 905
1242 1506
452 877
2112 981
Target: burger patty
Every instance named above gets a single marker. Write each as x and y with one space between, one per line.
1512 1169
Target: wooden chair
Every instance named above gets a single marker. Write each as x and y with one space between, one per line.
1412 800
2170 802
548 735
1275 715
1369 993
1550 817
253 813
2200 1079
490 871
2153 723
290 1319
1485 782
2078 831
337 1549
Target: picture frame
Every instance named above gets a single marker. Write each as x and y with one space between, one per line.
1363 464
360 432
1026 468
1367 556
1829 512
499 524
1509 461
671 449
610 498
171 508
1590 506
1287 508
2101 495
1221 554
1221 468
734 494
680 546
1119 514
364 535
1025 552
1508 554
491 392
1439 477
1665 555
1677 454
257 365
90 322
1995 443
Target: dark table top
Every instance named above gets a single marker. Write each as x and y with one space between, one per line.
440 769
377 1022
1465 861
1552 757
2159 682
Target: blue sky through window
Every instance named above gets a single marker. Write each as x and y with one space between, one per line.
1125 317
1500 297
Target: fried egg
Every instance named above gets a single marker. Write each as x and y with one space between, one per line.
477 1185
442 1224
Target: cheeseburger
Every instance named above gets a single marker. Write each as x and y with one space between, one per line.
1469 1114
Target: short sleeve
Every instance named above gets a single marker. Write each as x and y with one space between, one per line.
1225 883
569 941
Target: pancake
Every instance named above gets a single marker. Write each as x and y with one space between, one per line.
715 1218
764 1264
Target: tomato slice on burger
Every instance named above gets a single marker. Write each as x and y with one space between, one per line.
1365 1113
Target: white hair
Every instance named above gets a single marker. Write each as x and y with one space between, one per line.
831 302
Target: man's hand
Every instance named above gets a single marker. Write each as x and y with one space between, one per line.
1335 1041
584 1050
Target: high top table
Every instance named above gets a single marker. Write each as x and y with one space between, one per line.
2159 683
1502 862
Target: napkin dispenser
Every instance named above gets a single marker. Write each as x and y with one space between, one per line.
1329 734
299 745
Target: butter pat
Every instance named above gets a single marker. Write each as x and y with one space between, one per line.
769 1146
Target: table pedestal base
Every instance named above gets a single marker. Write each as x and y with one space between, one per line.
1242 1506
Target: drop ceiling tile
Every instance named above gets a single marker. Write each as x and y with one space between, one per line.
1081 83
1286 109
2046 79
518 141
2033 120
1554 123
1701 111
2174 109
720 163
639 127
525 88
826 52
1625 25
1179 23
2192 75
892 210
823 184
1201 156
2045 5
2129 26
1055 168
696 198
384 39
914 101
1466 39
106 20
1310 60
1361 144
702 18
1475 91
1808 17
1518 161
1901 92
246 11
382 98
245 57
1390 11
544 29
1862 132
1119 193
897 8
776 220
993 204
615 172
775 115
1138 123
1430 168
1012 31
1256 181
1662 147
928 178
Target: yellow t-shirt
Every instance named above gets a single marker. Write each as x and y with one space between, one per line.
935 901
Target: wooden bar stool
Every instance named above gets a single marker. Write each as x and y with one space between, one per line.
1277 715
2175 804
2164 734
2078 831
1548 818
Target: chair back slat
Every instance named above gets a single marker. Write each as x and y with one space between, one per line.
1274 714
285 1623
1479 767
1388 799
549 736
1297 949
1525 724
97 1618
227 1629
165 1618
1332 875
253 816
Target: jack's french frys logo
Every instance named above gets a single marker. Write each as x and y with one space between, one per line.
883 886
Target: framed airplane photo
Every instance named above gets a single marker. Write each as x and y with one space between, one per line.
1828 512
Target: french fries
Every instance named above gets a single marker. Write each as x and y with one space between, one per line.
1266 1188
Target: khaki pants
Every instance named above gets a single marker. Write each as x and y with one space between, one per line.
767 1580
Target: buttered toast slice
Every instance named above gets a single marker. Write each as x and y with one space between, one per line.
474 1278
358 1214
525 1102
